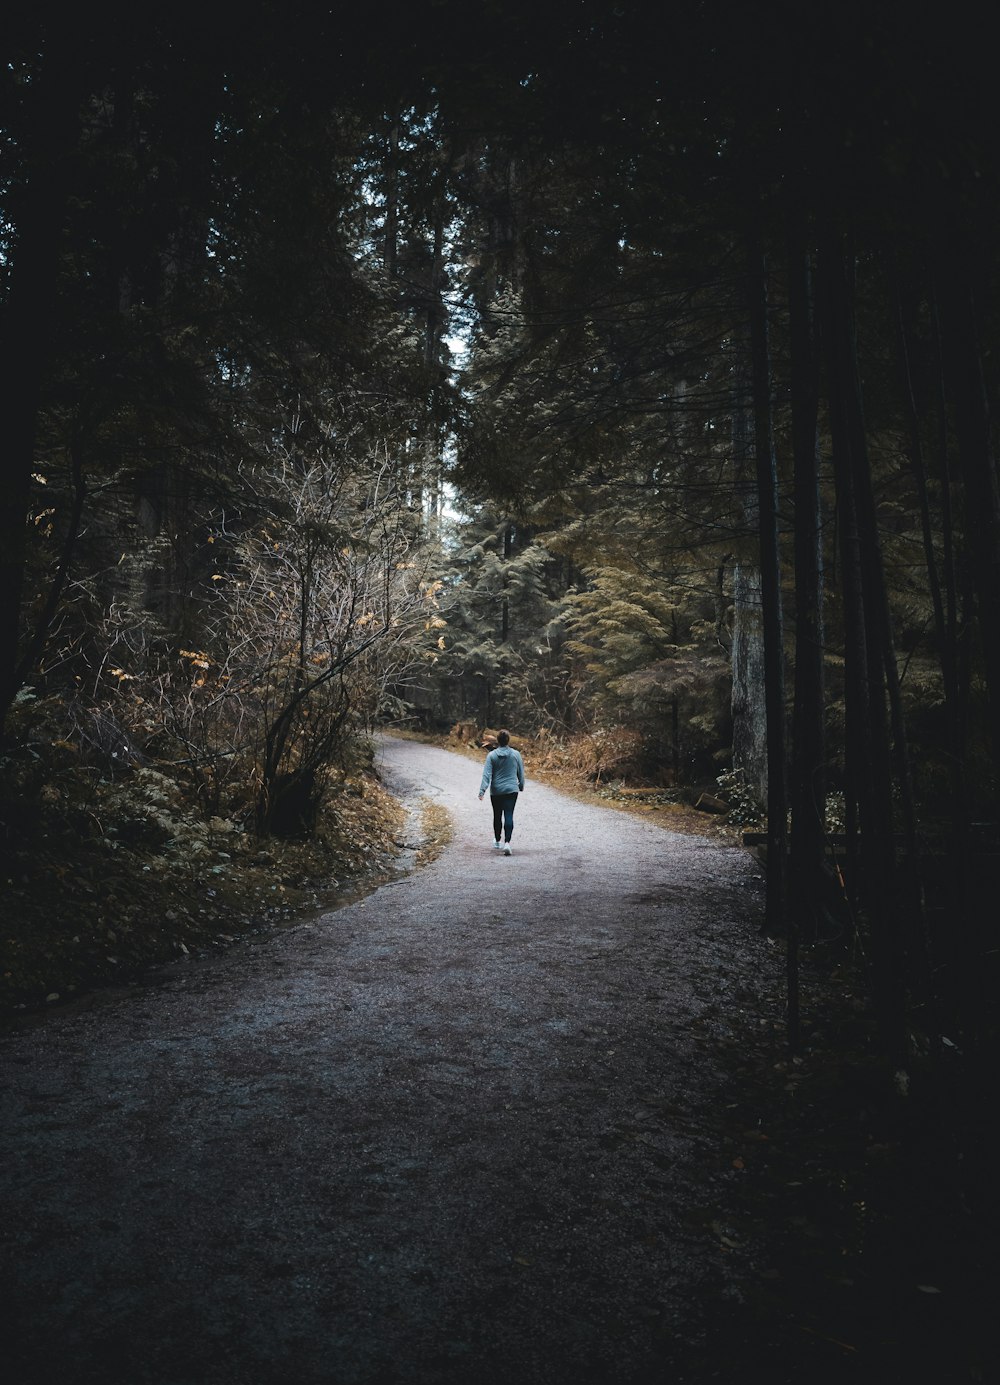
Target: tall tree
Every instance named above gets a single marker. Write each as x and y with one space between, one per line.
808 778
771 605
50 94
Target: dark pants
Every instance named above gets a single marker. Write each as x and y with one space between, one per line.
503 808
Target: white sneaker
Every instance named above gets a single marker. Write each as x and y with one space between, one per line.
506 848
496 846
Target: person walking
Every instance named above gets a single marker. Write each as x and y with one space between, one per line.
503 775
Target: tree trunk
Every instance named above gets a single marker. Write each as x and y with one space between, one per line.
808 777
747 704
964 373
434 321
390 243
957 645
867 654
954 648
770 572
675 740
39 215
508 543
961 958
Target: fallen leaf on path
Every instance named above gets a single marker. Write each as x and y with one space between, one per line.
845 1346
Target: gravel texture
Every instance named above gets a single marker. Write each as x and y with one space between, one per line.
462 1130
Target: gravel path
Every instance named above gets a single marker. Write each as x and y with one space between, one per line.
458 1132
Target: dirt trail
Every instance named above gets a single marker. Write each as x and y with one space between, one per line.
459 1131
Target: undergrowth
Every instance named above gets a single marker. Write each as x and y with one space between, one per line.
106 869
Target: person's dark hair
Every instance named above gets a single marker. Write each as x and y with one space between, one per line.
503 738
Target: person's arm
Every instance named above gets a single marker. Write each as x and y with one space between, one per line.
487 774
520 772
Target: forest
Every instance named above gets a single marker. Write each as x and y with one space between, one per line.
624 375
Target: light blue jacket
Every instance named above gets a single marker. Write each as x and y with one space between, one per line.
505 768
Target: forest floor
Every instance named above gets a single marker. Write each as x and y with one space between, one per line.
523 1119
103 876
